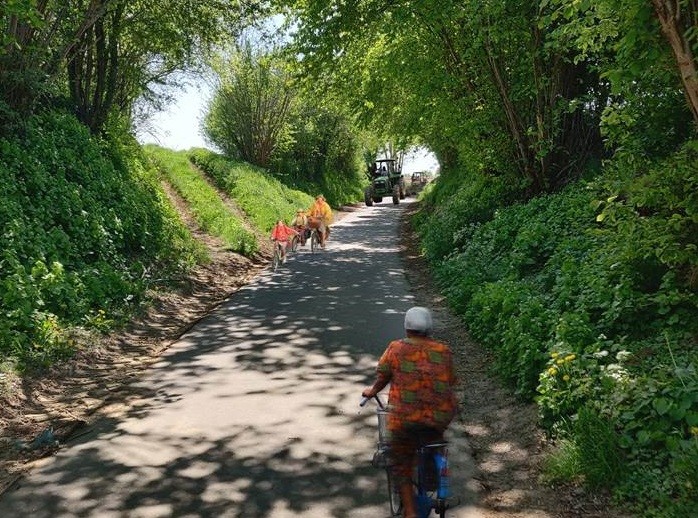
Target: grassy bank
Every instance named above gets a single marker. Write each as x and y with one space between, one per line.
86 229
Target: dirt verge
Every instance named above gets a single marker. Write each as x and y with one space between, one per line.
506 444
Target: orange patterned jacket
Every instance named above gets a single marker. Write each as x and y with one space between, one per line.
421 376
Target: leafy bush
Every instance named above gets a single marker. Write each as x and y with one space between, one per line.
589 299
84 229
323 155
457 205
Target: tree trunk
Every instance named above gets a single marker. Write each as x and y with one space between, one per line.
675 24
516 131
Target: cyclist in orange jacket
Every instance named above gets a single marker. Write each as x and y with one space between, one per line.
421 401
322 210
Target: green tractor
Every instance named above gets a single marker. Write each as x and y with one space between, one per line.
386 180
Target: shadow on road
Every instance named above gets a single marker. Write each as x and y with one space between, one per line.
253 413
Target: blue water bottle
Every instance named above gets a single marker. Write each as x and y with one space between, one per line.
443 490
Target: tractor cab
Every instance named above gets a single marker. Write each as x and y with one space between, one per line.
385 167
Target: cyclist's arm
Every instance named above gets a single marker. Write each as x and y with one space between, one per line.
374 389
384 374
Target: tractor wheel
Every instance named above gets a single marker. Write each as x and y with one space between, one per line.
368 198
396 195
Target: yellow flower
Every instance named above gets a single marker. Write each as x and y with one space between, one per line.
694 430
552 371
560 361
570 357
554 354
566 377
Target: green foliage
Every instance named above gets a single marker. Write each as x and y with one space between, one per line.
600 455
589 299
589 451
458 203
209 210
103 55
85 228
262 115
647 112
248 117
503 97
323 153
562 464
264 199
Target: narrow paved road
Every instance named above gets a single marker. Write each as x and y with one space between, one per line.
253 413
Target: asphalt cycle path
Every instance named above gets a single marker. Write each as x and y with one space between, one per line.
254 412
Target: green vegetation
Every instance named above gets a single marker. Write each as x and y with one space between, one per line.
85 231
589 299
209 210
262 115
100 57
263 198
563 226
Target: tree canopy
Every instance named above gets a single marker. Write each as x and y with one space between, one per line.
102 54
249 114
534 89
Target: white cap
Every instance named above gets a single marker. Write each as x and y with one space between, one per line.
418 319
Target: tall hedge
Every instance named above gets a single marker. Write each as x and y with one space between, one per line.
84 230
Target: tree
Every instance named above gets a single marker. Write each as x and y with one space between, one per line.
646 111
679 23
248 117
458 75
103 54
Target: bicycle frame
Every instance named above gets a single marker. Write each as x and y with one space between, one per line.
314 239
431 478
278 254
302 237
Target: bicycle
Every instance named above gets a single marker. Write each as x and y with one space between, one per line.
299 240
314 240
278 257
431 477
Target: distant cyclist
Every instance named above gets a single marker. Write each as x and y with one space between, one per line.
300 225
281 233
322 210
421 400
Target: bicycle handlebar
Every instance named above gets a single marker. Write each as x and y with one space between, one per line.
365 400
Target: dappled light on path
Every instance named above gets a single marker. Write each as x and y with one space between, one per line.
254 412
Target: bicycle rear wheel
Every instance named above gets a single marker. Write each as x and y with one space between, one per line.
314 241
393 495
276 260
294 243
432 481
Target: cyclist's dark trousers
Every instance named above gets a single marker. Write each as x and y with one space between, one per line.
403 446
